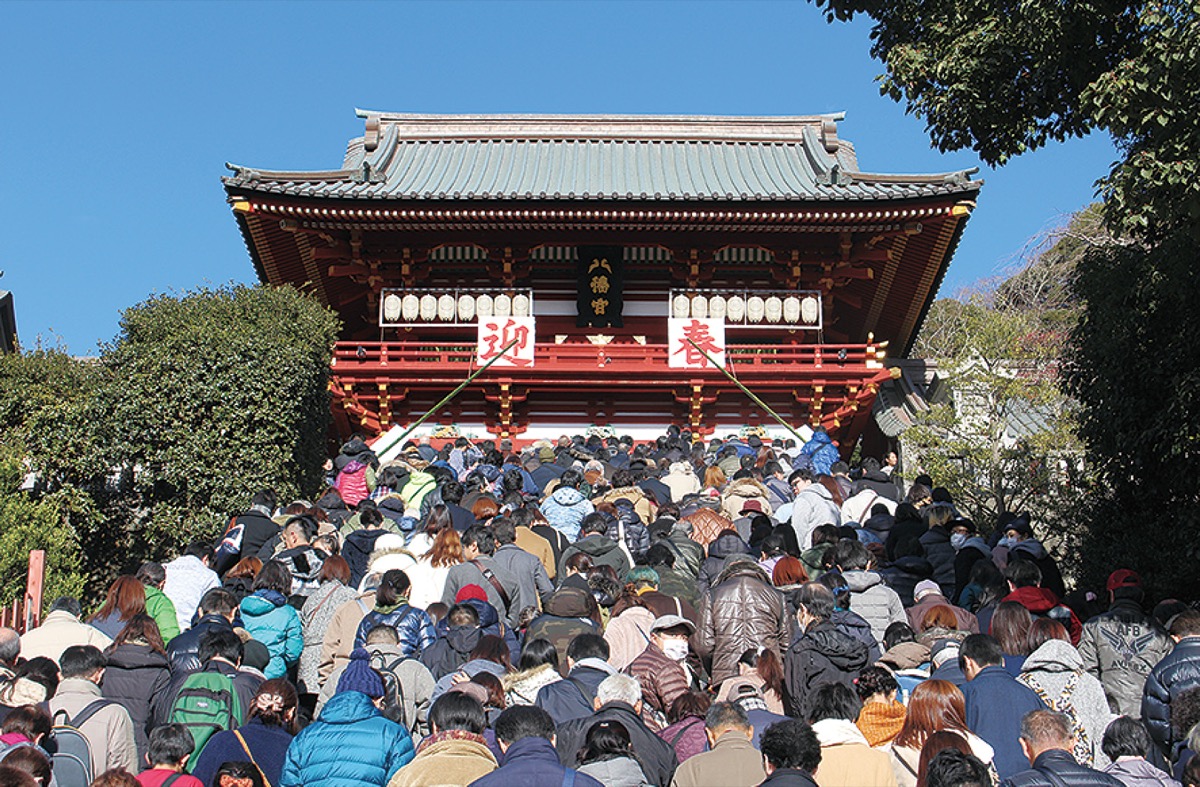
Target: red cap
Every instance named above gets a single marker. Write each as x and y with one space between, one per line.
1124 578
752 505
469 592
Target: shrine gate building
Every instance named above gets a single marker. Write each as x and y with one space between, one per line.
603 229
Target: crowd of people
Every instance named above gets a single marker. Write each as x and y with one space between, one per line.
593 611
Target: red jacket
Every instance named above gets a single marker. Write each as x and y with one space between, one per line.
1041 602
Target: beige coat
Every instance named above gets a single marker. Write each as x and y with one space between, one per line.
447 763
732 762
642 502
847 760
627 636
339 637
109 731
59 631
537 546
738 492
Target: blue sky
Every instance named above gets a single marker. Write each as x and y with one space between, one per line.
117 119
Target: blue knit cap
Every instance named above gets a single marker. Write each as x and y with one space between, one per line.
359 676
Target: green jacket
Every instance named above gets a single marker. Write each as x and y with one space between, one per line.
159 607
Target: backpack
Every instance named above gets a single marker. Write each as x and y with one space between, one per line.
393 689
207 703
70 752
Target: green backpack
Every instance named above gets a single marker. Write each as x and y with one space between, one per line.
207 703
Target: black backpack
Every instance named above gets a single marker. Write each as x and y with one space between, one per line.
393 689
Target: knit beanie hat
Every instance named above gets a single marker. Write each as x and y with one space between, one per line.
359 676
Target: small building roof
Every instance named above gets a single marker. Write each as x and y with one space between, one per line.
600 157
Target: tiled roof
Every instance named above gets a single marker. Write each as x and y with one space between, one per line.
601 157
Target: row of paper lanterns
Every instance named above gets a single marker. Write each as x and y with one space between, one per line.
791 310
447 308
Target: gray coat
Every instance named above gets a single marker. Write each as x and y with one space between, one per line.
813 507
1055 672
531 575
874 601
315 617
1120 648
618 772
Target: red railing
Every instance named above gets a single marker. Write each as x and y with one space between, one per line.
418 357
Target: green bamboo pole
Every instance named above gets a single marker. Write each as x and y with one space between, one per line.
454 393
754 398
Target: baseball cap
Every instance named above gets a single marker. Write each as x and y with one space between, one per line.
671 621
1124 578
924 588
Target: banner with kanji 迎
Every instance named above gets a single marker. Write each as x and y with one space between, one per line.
496 332
708 335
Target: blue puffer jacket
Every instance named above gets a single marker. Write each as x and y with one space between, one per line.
413 626
270 620
349 745
822 453
1178 672
565 508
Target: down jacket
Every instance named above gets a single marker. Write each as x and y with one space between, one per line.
874 601
136 677
351 744
819 656
741 490
270 620
641 501
662 679
1055 672
723 547
413 626
1120 648
1175 674
742 612
681 479
565 509
821 451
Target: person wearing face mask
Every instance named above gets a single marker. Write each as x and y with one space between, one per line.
969 549
821 654
662 668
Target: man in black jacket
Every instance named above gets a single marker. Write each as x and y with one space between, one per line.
791 754
619 698
1176 673
257 526
822 654
1047 740
587 667
217 610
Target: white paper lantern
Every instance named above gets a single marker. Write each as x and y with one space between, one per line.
411 308
716 307
680 306
755 309
520 305
791 309
429 308
810 310
446 308
774 309
392 306
699 306
483 305
735 309
466 308
502 306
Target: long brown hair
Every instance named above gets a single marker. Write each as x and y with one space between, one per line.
767 666
935 744
141 630
1010 627
940 616
246 568
126 596
934 705
831 485
714 477
446 550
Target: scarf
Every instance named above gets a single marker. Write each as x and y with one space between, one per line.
450 735
387 610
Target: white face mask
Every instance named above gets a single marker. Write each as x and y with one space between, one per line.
676 649
957 540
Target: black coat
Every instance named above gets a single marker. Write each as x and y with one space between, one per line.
823 654
1061 764
656 756
789 777
258 530
137 677
183 651
570 699
941 554
1178 672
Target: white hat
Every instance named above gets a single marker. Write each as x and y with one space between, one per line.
924 588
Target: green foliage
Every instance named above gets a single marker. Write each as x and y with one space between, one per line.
28 522
201 400
208 397
1134 365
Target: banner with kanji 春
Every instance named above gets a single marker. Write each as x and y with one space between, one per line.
600 294
496 332
707 333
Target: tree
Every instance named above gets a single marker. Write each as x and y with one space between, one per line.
1003 78
201 400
